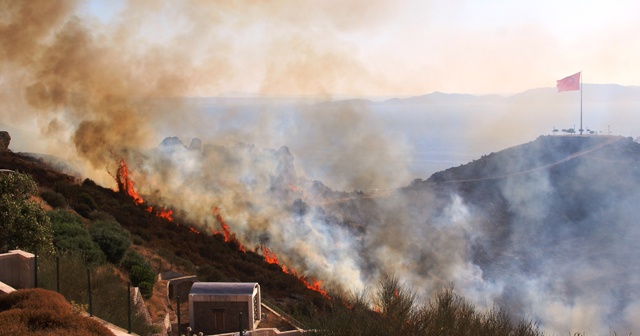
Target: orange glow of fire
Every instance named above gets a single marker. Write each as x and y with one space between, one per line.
125 185
194 230
271 258
162 213
166 214
226 232
310 282
314 284
294 188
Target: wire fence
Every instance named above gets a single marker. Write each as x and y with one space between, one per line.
99 291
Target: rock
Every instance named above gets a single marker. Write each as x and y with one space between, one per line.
5 139
196 144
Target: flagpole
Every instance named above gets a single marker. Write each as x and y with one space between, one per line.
580 102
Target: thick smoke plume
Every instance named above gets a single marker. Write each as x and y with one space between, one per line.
99 93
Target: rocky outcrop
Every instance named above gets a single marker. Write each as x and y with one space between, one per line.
5 139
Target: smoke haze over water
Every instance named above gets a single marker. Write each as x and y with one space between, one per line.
99 91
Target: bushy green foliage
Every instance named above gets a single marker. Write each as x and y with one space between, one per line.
38 311
111 237
87 200
210 274
70 236
54 199
140 272
83 210
23 223
394 310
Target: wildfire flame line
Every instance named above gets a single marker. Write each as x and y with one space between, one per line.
229 237
126 186
310 282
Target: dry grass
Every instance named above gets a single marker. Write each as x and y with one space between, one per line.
394 310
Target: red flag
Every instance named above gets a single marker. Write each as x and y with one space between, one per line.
570 83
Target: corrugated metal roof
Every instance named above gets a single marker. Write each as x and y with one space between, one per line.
223 288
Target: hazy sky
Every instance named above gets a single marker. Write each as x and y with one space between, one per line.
393 48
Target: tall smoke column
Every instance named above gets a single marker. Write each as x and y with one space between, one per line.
95 86
90 82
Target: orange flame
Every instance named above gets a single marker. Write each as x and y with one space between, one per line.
314 284
226 232
271 258
166 214
162 213
194 230
125 185
311 283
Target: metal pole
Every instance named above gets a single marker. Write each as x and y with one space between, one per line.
178 304
58 274
89 288
35 269
580 102
129 307
240 325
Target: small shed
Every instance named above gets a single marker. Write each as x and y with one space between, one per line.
215 307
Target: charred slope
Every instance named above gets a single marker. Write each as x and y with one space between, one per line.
207 254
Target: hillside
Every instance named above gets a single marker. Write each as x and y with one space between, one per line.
544 228
544 224
174 243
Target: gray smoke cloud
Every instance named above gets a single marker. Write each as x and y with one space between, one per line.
98 93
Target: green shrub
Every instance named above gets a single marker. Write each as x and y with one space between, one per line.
83 210
54 199
133 258
70 236
87 200
140 274
210 274
112 239
146 288
137 240
23 223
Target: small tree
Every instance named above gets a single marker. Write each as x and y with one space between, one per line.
23 222
112 238
70 236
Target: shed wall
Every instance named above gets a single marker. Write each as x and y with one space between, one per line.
205 319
